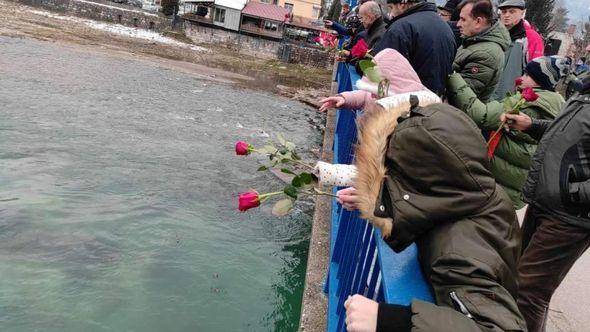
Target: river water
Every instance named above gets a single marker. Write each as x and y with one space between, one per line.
118 198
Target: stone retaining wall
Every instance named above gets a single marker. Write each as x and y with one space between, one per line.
256 46
104 11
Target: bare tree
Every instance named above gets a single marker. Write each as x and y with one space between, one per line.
560 19
584 38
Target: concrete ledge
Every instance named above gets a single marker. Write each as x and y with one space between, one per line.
314 310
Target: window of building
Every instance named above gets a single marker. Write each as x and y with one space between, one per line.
219 15
272 26
289 7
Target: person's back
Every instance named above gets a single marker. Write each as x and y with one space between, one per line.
424 39
437 190
556 228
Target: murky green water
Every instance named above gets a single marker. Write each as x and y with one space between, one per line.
118 199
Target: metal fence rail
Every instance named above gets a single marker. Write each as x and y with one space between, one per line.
360 261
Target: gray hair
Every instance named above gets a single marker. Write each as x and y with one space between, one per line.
373 8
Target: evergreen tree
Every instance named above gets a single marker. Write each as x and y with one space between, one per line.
539 14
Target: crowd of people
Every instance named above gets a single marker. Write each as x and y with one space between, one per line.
443 162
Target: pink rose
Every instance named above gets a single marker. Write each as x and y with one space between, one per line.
529 95
243 148
248 200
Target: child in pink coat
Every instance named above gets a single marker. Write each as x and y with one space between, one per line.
393 67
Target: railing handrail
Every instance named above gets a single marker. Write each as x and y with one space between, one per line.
360 261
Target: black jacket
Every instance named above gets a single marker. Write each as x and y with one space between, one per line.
559 179
374 33
426 41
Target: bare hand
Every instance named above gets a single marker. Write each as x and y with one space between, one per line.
328 23
331 102
518 121
361 314
348 198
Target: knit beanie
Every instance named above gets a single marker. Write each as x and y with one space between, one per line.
547 70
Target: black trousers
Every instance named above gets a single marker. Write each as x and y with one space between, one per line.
550 249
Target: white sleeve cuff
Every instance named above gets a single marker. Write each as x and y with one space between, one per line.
335 175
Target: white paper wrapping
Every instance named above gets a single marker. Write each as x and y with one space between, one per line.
425 97
335 175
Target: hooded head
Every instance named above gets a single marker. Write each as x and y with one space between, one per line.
397 70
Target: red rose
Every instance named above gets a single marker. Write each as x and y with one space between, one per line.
248 200
518 82
243 148
360 49
529 95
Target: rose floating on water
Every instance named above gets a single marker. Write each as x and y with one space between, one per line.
243 148
301 183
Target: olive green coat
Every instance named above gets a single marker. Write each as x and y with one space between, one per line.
480 60
427 180
512 157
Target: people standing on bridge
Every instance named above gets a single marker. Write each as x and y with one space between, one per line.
371 17
426 180
395 68
556 229
527 45
419 34
480 58
511 157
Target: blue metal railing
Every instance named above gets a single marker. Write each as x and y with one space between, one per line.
360 261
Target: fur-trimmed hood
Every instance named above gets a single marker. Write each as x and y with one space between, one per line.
431 167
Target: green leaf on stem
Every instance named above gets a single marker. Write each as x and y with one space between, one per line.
287 171
364 64
290 191
507 105
373 74
281 139
306 178
262 168
297 181
267 149
282 207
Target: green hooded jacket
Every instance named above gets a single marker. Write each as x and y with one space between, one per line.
512 157
480 60
427 180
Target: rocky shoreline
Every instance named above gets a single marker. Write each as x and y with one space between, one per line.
205 61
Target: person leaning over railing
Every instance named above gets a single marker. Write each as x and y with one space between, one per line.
556 229
511 157
427 180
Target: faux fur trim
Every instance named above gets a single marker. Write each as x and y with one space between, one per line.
374 128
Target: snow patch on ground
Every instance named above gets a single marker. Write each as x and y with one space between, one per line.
121 30
118 8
